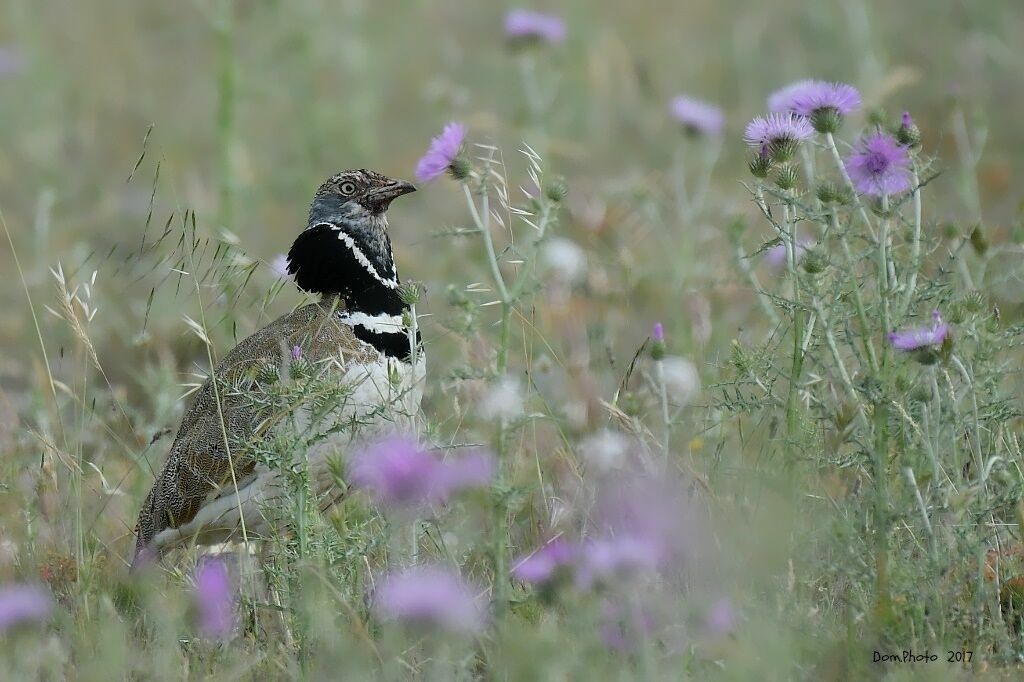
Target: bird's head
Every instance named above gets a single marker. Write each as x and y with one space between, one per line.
345 248
356 195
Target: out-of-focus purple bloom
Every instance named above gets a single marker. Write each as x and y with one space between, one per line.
429 595
542 565
658 333
642 523
921 337
24 604
721 618
765 132
527 25
906 120
402 476
279 266
879 165
296 352
441 153
700 118
781 101
12 61
814 96
215 598
619 556
775 257
624 626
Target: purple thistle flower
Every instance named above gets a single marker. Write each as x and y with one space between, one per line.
879 165
777 131
23 604
921 337
215 598
618 556
429 595
296 352
781 101
906 120
523 25
402 476
542 565
815 96
699 118
443 150
658 333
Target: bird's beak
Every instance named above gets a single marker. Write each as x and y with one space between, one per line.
380 198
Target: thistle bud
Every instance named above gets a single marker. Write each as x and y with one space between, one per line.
978 240
760 165
827 120
460 167
783 149
814 261
786 178
831 193
908 134
877 117
658 341
410 293
556 189
974 302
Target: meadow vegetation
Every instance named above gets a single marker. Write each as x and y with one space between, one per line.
723 378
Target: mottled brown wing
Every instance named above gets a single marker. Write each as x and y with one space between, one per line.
199 461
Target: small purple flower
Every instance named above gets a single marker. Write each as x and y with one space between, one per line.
442 152
699 118
539 567
777 131
24 604
619 556
296 353
429 595
12 61
921 337
879 165
775 257
815 96
524 25
215 598
658 333
402 476
720 619
625 625
906 120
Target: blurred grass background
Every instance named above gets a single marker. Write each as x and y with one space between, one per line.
252 104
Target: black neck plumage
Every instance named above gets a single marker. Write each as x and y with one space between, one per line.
331 258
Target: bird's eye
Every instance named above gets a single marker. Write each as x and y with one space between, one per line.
347 188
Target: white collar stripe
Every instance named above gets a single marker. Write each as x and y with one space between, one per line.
390 283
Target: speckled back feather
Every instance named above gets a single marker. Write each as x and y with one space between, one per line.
199 463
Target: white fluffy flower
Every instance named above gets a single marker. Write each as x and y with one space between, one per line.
565 258
682 381
502 400
606 449
279 266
